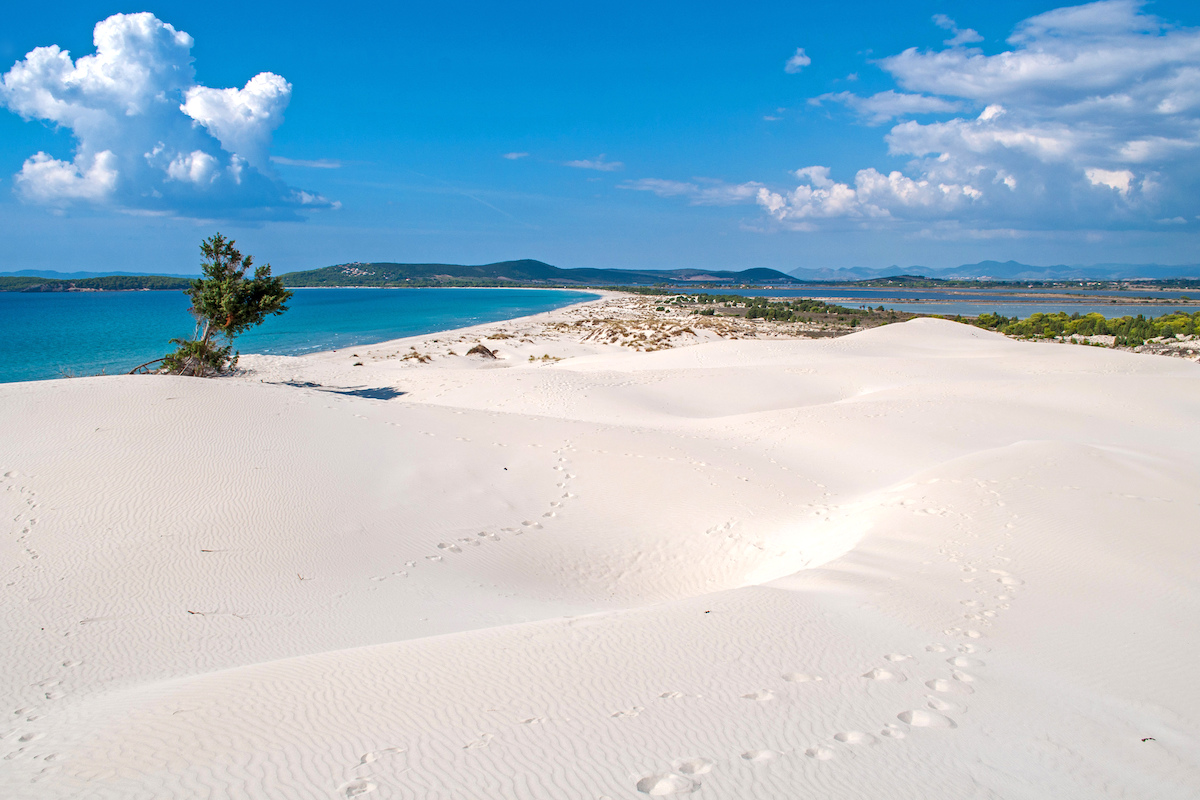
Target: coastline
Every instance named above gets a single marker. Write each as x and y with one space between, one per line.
637 553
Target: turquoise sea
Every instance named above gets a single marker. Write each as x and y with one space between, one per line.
53 334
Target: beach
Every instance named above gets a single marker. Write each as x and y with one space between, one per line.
614 553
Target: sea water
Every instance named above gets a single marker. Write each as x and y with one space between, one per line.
56 334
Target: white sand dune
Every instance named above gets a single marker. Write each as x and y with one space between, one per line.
922 561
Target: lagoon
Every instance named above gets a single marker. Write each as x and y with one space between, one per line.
57 334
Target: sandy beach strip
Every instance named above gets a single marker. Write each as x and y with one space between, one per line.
628 556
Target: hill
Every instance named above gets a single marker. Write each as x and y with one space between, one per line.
107 283
524 272
1007 271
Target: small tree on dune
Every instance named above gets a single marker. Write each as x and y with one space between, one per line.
225 303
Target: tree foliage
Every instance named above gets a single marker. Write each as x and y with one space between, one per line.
1128 331
225 303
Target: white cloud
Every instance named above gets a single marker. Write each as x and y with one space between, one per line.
1119 179
699 191
958 37
47 180
148 138
241 119
1091 118
515 156
320 163
885 106
797 62
598 163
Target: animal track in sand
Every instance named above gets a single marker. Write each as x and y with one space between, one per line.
878 674
854 737
453 548
897 657
693 766
801 677
819 753
667 783
892 731
533 721
671 695
630 712
762 695
935 648
760 756
919 718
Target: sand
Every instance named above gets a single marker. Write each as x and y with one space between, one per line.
920 561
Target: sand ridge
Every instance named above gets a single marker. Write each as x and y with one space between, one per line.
919 561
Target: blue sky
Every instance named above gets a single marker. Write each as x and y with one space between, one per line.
638 135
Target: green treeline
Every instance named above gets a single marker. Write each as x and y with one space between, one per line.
775 310
107 283
1129 331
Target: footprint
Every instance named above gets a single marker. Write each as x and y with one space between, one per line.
762 695
919 718
375 755
667 783
801 677
1010 581
483 741
971 648
693 766
935 648
533 721
854 737
433 558
878 674
760 756
671 695
938 704
632 712
819 753
897 657
357 788
959 675
949 687
453 548
892 731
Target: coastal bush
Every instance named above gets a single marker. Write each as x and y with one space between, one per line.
225 303
1129 331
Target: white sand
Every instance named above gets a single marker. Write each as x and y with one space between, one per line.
922 561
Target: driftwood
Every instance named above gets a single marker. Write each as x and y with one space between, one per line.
145 369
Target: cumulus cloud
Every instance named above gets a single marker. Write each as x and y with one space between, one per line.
598 163
885 106
699 191
515 156
797 62
1091 118
148 137
958 37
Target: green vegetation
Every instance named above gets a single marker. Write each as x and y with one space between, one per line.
106 283
772 310
224 303
1129 331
